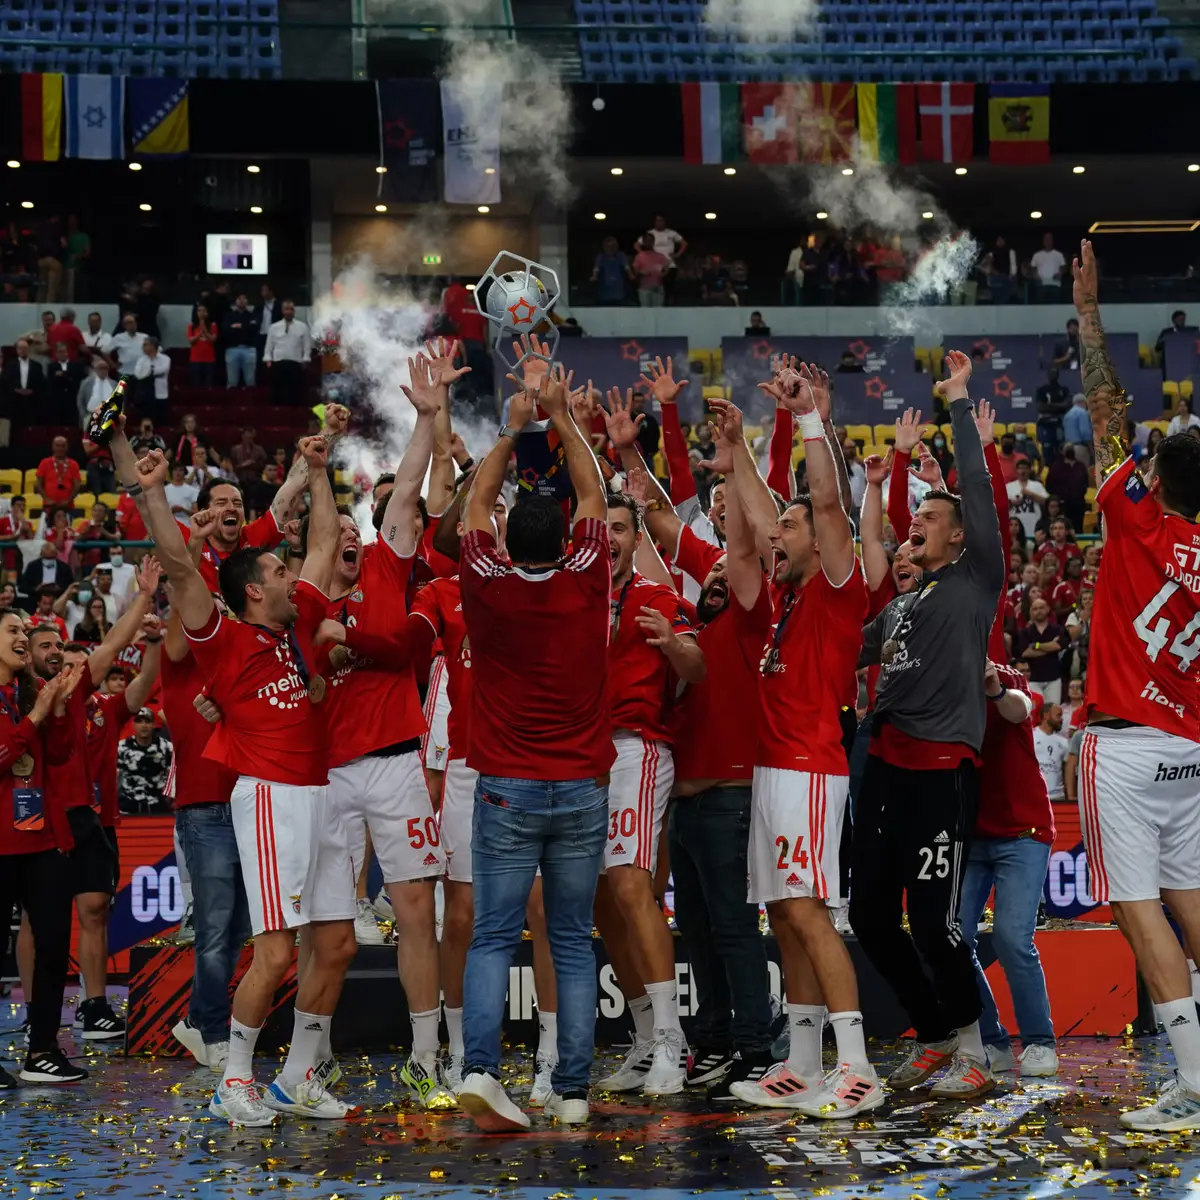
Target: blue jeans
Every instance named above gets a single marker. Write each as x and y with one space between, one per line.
1017 868
240 362
519 825
219 912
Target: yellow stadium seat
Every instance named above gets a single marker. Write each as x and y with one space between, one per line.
1090 496
112 499
937 361
1161 426
885 434
862 434
718 362
752 432
1091 521
1146 355
33 502
343 478
998 429
703 360
85 500
1185 388
11 480
714 392
925 357
31 480
1170 389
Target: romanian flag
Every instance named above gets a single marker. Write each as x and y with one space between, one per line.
825 116
158 116
41 117
712 130
1019 123
887 122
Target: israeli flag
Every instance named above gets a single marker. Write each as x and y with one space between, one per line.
95 116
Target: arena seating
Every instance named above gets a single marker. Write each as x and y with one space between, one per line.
236 39
1049 41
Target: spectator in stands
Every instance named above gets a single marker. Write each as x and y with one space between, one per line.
940 453
96 338
202 471
1066 352
1053 400
267 311
103 577
287 356
1048 265
1026 496
51 248
715 284
94 627
758 327
146 306
61 533
77 255
1077 429
65 330
998 269
58 477
96 387
1009 457
671 243
15 525
794 271
129 520
18 263
1068 479
1184 419
857 474
1058 546
1065 597
610 271
122 572
128 344
649 268
848 364
99 526
739 280
1178 325
816 274
153 374
146 439
202 334
1040 644
22 389
143 764
65 378
181 495
187 440
239 335
46 572
248 459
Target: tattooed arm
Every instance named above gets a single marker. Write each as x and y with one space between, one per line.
1105 397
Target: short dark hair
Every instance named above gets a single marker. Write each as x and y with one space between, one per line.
950 498
1177 467
343 511
46 589
386 477
1178 313
239 569
804 501
536 530
113 670
627 502
94 314
204 499
80 648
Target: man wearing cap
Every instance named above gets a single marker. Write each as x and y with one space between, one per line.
143 762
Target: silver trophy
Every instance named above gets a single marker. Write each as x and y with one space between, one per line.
518 301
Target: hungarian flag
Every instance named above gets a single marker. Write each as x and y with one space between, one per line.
947 121
769 122
887 122
1019 123
826 118
712 131
41 117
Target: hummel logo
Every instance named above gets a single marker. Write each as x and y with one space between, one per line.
313 1027
430 860
941 838
1179 1020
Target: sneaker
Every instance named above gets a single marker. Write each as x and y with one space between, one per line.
543 1087
1000 1058
185 935
366 926
777 1086
488 1105
328 1072
382 904
189 1037
422 1078
100 1023
924 1059
1043 921
840 917
239 1102
631 1074
7 1082
1038 1062
307 1099
967 1079
708 1066
218 1056
669 1068
450 1071
51 1066
843 1092
1176 1110
570 1110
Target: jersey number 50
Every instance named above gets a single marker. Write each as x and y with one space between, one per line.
1186 645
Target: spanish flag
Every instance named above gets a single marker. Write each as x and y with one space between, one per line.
41 117
1019 123
158 116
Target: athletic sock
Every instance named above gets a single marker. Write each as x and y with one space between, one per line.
454 1029
851 1045
805 1023
642 1011
307 1030
548 1035
240 1063
970 1042
425 1033
1195 979
1178 1017
325 1050
664 1004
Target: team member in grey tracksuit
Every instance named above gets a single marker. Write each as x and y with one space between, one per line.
914 819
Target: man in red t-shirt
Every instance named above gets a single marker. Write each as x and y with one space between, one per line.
295 860
65 330
58 477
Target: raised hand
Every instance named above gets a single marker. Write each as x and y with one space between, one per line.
441 353
147 575
818 385
878 468
553 397
1085 278
533 369
928 470
520 409
315 451
728 418
337 419
584 405
291 533
958 372
721 462
204 521
424 394
330 630
663 385
658 630
637 484
909 430
985 422
152 469
152 628
623 427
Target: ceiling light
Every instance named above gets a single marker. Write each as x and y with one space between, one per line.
822 216
731 170
710 216
253 169
616 171
600 216
1035 215
12 162
489 170
26 203
927 215
483 208
847 170
381 170
135 166
960 170
381 208
1078 170
144 207
1194 166
256 208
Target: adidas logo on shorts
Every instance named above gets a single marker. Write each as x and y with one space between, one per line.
431 860
941 839
793 880
618 849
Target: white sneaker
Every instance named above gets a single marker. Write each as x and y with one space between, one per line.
382 904
843 1092
668 1071
488 1104
306 1099
631 1074
185 935
218 1056
543 1088
1176 1110
366 926
328 1072
1000 1058
780 1087
189 1037
239 1102
967 1079
452 1072
569 1112
840 917
1038 1062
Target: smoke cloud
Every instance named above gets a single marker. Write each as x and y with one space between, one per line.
761 20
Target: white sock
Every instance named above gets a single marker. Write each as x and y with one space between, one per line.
642 1012
307 1030
548 1035
664 1003
970 1042
325 1050
805 1022
1195 979
454 1029
240 1063
851 1045
1178 1017
425 1033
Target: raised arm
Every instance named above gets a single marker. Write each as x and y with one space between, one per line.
908 434
138 690
743 564
489 477
443 372
660 518
588 483
323 526
287 499
781 477
400 516
758 505
665 389
870 522
985 420
126 629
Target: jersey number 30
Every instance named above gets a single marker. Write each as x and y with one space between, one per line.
1155 632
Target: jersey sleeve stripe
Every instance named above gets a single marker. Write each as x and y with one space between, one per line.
197 635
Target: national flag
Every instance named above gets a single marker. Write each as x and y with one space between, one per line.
158 116
770 128
41 117
472 116
95 116
410 137
1019 123
826 119
947 121
887 122
712 131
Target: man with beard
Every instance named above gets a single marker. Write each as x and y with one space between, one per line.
716 732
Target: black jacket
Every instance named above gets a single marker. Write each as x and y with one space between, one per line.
31 577
240 327
10 380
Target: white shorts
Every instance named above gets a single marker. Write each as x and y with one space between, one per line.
389 796
1050 692
1139 804
795 831
435 744
294 855
639 788
458 812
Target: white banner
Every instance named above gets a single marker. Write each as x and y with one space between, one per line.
472 114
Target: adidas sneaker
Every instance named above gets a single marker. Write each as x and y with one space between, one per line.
669 1066
631 1074
51 1066
708 1066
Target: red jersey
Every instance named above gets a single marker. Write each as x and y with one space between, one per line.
50 742
58 477
262 532
1145 634
36 619
106 716
811 651
640 680
72 779
1013 801
1060 554
717 720
259 679
440 603
194 779
1066 595
539 639
129 521
442 566
368 706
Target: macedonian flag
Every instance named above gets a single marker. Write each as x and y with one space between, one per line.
826 118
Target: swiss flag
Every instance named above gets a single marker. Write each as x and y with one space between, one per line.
770 123
947 121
